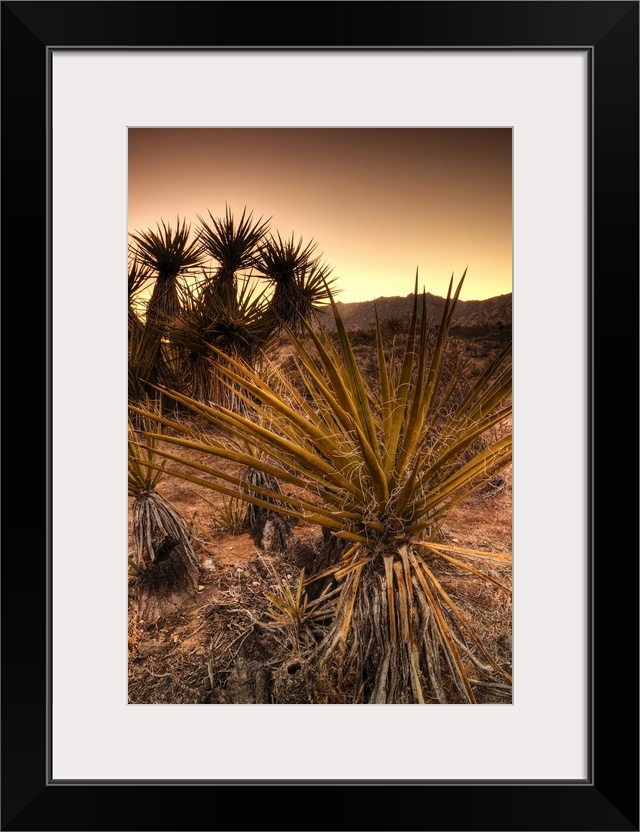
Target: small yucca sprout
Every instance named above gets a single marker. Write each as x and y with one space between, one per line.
290 609
291 612
380 467
230 515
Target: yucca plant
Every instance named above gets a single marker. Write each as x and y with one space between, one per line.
168 253
213 327
230 515
232 245
380 468
301 283
163 557
294 614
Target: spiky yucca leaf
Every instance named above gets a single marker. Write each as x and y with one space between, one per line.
381 467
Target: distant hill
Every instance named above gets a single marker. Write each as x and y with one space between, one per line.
469 313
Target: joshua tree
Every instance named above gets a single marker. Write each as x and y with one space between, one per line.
168 254
380 469
301 283
232 245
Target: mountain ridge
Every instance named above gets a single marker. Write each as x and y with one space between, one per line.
496 311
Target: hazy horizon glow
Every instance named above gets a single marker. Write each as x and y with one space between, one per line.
380 202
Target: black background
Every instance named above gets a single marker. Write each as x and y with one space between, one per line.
608 800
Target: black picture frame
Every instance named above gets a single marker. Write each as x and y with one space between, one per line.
608 798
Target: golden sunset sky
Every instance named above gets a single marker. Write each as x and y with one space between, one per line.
379 201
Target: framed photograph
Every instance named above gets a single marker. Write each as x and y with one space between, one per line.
561 80
226 311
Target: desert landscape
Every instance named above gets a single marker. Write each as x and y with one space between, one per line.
319 434
244 621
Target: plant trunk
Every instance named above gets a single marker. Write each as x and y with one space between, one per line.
164 303
169 566
200 383
393 639
167 582
269 530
